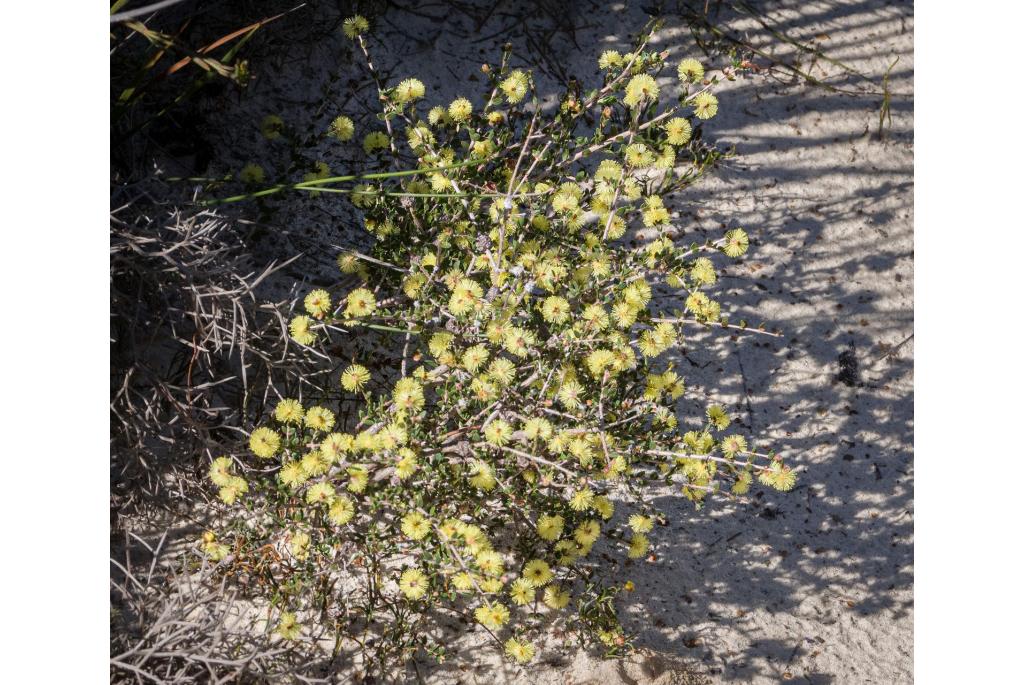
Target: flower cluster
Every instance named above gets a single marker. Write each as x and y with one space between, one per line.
536 396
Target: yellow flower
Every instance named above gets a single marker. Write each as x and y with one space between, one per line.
736 242
518 341
678 131
569 395
717 417
360 302
492 616
354 377
264 442
502 370
465 296
462 581
639 156
490 563
638 546
537 428
474 357
491 586
220 471
271 126
640 524
288 411
342 510
555 597
609 59
354 26
514 86
288 627
413 583
407 465
587 533
321 493
415 525
408 90
342 128
705 105
299 330
230 491
377 140
358 478
522 592
691 70
299 545
318 303
482 476
731 445
251 174
550 527
604 507
320 419
537 572
292 474
555 309
641 88
408 394
581 499
519 650
460 110
498 432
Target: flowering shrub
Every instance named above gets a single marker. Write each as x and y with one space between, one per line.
479 474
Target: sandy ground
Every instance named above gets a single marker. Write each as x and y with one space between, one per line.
816 585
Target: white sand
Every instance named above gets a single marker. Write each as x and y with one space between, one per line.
815 585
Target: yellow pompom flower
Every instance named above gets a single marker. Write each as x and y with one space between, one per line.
463 582
717 417
639 156
298 545
537 572
502 370
518 341
288 627
493 616
220 471
320 419
251 174
408 394
358 478
474 357
360 302
299 329
640 523
522 592
377 140
609 59
498 432
342 128
733 445
586 533
514 86
234 487
342 510
355 26
490 563
691 70
638 546
581 499
288 411
460 110
413 583
736 242
409 90
415 525
555 309
320 493
678 131
537 428
742 484
604 506
705 105
407 464
556 597
271 126
318 303
264 442
292 474
482 476
354 377
570 395
465 296
550 527
641 88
